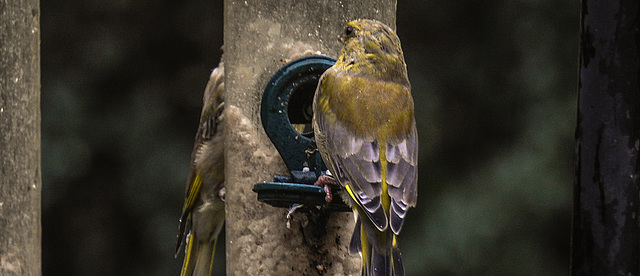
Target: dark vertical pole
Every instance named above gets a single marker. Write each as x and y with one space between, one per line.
606 234
20 180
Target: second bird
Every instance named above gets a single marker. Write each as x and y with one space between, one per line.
203 211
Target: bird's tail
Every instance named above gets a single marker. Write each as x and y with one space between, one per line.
198 257
380 253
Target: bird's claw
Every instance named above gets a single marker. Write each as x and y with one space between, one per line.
292 210
325 181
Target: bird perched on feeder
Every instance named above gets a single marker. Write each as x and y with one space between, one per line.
366 133
203 211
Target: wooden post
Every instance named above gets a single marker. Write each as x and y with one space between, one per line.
20 174
258 35
606 231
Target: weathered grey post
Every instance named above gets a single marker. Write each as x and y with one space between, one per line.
20 177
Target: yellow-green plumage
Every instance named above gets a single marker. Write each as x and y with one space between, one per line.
365 130
203 211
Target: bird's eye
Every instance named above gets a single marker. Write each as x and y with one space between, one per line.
349 31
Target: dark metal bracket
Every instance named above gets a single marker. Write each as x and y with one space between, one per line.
287 101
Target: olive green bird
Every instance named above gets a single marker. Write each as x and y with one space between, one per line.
366 133
203 211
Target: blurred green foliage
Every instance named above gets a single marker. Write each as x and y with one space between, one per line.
495 90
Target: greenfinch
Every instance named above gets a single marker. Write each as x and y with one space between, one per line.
203 211
366 133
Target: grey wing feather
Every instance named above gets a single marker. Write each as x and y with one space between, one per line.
361 154
365 180
402 177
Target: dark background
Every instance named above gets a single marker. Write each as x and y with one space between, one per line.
494 84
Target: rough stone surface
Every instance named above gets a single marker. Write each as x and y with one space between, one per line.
20 175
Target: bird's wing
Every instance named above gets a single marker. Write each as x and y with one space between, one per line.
402 176
355 160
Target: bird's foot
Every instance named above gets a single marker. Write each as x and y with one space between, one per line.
325 181
292 210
